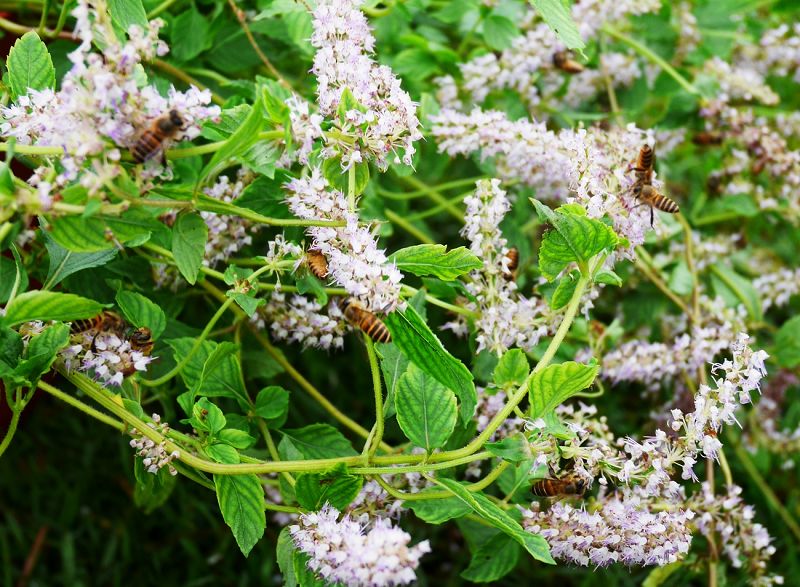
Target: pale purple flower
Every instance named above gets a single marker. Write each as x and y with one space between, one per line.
357 552
154 456
104 356
301 320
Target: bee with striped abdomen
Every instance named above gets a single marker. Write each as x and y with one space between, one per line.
361 318
151 141
317 264
511 264
643 188
562 61
108 322
566 486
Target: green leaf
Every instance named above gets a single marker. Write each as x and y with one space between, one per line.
734 288
564 290
49 305
435 260
241 501
514 448
100 233
266 196
608 278
438 511
189 34
559 19
272 404
64 262
219 376
29 66
574 238
223 453
318 441
393 364
494 515
151 491
309 284
338 179
499 31
11 273
336 487
413 337
680 279
246 301
207 417
787 343
10 349
124 13
236 438
42 352
426 409
511 370
659 575
294 564
189 236
493 560
141 312
238 143
555 384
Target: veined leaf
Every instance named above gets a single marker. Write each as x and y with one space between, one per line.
511 370
272 404
559 19
241 501
426 409
438 511
124 13
493 560
64 262
555 384
210 372
318 441
436 260
49 305
336 487
420 345
393 364
29 66
189 236
141 312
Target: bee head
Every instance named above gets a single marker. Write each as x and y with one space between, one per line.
140 335
175 118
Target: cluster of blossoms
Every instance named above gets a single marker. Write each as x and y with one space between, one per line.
102 105
505 318
739 82
385 119
745 542
528 67
154 456
765 426
354 260
654 363
776 288
592 167
706 250
357 552
106 356
300 320
305 127
623 530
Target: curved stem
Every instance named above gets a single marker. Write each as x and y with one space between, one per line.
423 192
395 218
653 276
181 75
195 347
76 403
373 442
273 451
12 428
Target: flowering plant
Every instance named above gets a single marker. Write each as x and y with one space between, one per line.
399 291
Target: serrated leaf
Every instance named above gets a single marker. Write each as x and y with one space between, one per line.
125 13
207 417
436 260
272 404
499 31
141 312
318 441
412 336
49 305
574 239
491 512
310 284
393 364
246 301
559 19
189 236
29 66
100 233
426 409
787 343
245 136
64 262
438 511
556 383
336 487
511 370
564 290
493 560
241 501
236 438
223 378
188 45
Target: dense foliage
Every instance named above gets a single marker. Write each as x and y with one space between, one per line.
367 293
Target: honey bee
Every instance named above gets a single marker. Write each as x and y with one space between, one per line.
643 188
707 137
317 264
562 61
513 263
570 485
151 141
140 339
366 321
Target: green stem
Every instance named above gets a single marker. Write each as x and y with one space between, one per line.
160 8
195 347
76 403
423 192
372 443
12 428
435 196
274 507
642 263
648 54
181 75
273 450
351 188
5 228
766 490
437 208
395 218
412 291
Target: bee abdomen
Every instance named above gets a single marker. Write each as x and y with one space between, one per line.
513 262
665 204
147 146
317 264
562 61
376 330
544 488
645 160
84 325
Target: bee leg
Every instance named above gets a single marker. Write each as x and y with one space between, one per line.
163 157
652 216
